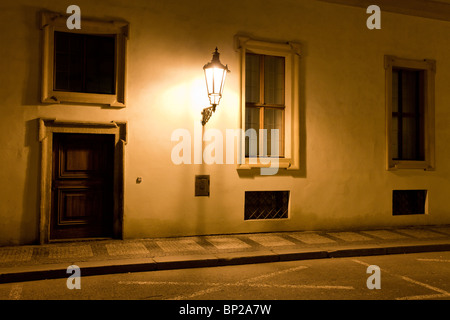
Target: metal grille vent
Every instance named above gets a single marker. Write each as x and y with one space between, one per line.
408 202
266 205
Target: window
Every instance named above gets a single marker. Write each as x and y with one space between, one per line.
410 113
269 100
266 205
407 115
264 100
86 65
406 202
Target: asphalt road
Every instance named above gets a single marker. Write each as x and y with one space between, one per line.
421 276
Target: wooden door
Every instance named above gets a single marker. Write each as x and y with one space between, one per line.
82 186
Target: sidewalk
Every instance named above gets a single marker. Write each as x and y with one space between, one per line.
36 262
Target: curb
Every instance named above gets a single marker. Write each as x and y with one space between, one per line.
57 271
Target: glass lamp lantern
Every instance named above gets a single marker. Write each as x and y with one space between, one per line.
215 74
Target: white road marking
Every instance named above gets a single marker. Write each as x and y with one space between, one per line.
297 286
442 293
425 285
243 283
422 297
361 262
238 284
434 260
273 274
16 292
217 288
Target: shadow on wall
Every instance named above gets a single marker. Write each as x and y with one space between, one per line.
201 203
29 228
32 40
29 222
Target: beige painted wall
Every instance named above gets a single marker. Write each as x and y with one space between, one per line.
342 182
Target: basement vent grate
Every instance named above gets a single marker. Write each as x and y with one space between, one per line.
405 202
266 205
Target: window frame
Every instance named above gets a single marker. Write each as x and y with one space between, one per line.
291 52
428 67
51 22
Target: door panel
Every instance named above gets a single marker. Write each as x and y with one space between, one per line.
82 186
77 205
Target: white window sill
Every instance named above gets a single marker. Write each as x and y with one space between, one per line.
283 163
403 164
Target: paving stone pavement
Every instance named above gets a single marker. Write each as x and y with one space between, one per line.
158 253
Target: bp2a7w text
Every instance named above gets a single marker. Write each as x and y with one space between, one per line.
227 309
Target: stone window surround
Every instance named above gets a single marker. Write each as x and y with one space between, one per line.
291 51
51 22
429 67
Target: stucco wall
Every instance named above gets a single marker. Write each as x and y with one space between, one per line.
342 182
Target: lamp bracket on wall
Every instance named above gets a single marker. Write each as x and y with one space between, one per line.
207 113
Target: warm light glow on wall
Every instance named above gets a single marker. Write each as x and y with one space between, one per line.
189 95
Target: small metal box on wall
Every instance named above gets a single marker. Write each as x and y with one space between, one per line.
202 185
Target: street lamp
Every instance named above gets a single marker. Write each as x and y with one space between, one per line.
215 73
